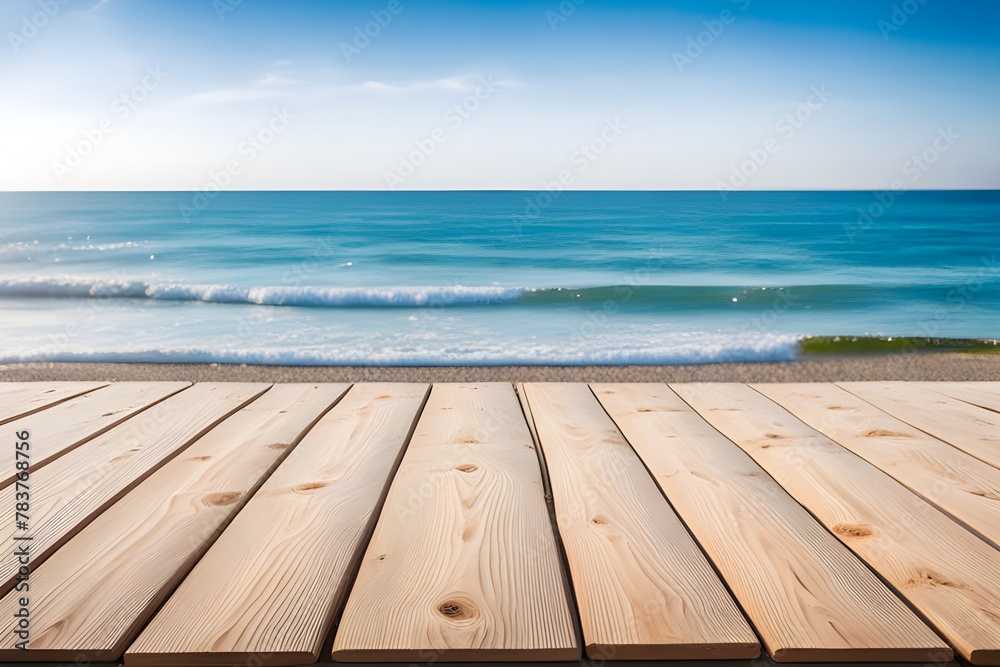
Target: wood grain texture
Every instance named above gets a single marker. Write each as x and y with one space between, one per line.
644 589
69 492
18 399
972 429
62 427
984 394
278 574
91 597
961 485
808 596
945 572
463 564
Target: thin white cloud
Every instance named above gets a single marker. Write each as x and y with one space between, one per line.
272 80
271 85
99 5
229 95
459 83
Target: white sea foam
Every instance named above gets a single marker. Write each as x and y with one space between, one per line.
689 348
126 333
105 246
35 247
268 296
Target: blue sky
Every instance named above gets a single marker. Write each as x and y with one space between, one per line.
742 94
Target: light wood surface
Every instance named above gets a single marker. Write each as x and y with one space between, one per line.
279 572
644 589
972 429
809 597
944 571
62 427
960 484
191 533
69 492
984 394
463 563
18 399
91 597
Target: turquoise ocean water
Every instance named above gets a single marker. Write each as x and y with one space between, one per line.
487 277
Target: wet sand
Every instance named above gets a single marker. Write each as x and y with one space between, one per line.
929 366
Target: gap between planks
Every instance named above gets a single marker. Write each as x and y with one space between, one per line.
961 485
71 491
644 590
281 569
91 597
809 598
20 399
967 427
60 428
468 498
909 542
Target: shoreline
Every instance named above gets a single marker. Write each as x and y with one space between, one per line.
926 366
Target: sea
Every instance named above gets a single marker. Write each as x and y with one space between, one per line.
487 277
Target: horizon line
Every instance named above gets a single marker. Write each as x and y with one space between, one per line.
457 190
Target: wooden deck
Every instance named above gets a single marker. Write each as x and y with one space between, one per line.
250 524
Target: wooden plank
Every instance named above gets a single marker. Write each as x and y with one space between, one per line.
463 564
984 394
62 427
91 597
808 596
970 428
945 572
19 399
961 485
644 589
280 571
69 492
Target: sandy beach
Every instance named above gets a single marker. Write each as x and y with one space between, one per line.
931 366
